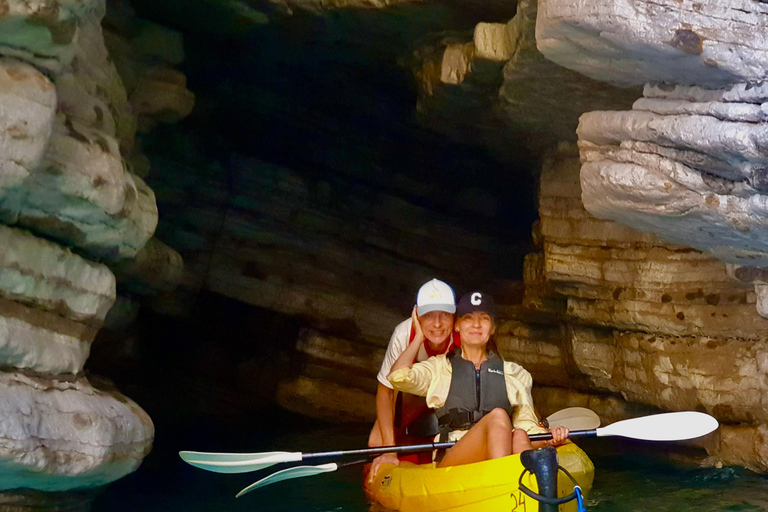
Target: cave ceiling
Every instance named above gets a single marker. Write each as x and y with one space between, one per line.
383 106
333 91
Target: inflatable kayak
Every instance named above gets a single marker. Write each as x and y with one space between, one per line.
487 486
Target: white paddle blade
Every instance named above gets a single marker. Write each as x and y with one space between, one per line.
237 462
575 418
671 426
287 474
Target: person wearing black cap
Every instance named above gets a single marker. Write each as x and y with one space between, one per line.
482 402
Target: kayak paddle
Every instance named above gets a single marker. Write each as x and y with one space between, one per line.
287 474
672 426
572 418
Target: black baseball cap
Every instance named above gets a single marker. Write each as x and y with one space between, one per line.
476 301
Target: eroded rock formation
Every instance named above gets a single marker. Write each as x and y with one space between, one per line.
67 201
687 161
661 325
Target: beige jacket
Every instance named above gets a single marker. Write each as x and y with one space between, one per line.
432 379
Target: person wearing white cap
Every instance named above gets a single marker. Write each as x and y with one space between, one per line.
433 312
482 402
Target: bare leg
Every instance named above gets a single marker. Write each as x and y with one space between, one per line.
520 441
490 438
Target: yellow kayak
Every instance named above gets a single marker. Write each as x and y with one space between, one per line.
487 486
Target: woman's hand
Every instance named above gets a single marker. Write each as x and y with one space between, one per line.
419 333
559 435
387 458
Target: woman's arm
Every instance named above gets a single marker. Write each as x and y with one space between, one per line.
409 354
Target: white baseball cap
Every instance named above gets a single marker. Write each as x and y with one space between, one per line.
435 296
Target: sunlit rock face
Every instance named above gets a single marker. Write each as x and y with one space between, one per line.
623 312
66 132
62 434
77 190
712 44
687 162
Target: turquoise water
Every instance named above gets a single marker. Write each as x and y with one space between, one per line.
624 482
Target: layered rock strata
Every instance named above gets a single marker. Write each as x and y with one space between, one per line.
502 85
711 44
60 434
340 256
686 165
687 162
71 185
66 133
338 253
660 325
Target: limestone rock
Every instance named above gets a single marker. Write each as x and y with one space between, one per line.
615 276
538 349
82 195
47 276
610 408
742 445
564 220
122 315
709 44
457 62
329 309
346 363
161 43
492 42
724 376
161 95
44 32
544 99
340 254
42 341
502 86
97 76
58 435
322 399
540 294
28 103
156 268
692 178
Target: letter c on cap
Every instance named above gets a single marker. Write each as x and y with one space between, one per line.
476 299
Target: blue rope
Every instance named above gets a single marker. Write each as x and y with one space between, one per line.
579 499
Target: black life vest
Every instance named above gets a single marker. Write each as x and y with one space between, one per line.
473 393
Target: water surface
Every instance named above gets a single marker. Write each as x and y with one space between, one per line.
624 481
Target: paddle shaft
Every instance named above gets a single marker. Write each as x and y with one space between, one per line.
414 448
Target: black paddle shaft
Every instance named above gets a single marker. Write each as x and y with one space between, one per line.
415 448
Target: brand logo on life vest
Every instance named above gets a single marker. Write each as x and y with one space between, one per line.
491 370
476 299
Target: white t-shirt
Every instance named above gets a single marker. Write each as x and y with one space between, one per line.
397 345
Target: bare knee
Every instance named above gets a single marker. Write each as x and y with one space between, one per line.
520 436
520 441
500 418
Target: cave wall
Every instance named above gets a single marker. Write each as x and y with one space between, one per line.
609 309
73 210
664 314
